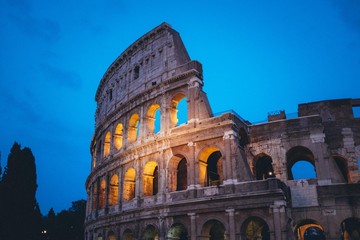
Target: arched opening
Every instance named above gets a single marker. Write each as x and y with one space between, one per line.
127 235
118 136
177 232
98 152
181 181
350 229
300 163
134 126
107 144
243 137
213 230
263 167
102 194
129 184
114 190
255 228
111 236
343 169
99 237
309 230
150 179
150 233
177 173
178 110
153 119
210 167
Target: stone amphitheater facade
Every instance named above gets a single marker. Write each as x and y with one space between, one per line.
213 176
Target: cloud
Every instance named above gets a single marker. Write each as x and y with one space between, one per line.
61 77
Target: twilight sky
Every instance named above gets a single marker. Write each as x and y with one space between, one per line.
258 56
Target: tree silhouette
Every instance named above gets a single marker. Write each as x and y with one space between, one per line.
20 216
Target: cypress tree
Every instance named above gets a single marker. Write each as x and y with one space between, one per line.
19 210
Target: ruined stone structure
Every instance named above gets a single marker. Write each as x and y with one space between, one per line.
213 176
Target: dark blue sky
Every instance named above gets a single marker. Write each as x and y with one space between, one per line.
257 56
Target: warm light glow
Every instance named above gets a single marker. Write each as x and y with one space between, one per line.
150 118
107 144
102 194
133 127
173 110
129 184
114 190
118 136
148 178
203 159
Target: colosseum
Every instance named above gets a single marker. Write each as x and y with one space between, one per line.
213 176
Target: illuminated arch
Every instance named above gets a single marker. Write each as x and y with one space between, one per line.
174 109
129 184
213 230
127 235
107 144
210 167
153 119
133 128
255 228
150 178
297 156
350 229
114 190
118 136
177 173
111 236
102 194
263 167
150 233
177 231
309 229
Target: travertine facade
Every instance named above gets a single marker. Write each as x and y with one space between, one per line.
213 177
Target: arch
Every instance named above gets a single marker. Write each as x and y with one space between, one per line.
99 237
175 114
107 142
177 232
114 190
129 184
102 194
263 167
213 230
210 167
350 229
255 228
153 119
127 235
111 236
150 233
177 173
134 126
308 230
118 136
150 178
243 137
342 166
305 157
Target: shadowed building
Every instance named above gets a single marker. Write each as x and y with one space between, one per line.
213 176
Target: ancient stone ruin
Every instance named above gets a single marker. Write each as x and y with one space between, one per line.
213 176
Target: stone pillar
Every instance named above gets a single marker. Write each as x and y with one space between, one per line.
194 88
232 230
229 167
121 186
321 162
192 171
138 180
162 230
279 216
107 180
192 226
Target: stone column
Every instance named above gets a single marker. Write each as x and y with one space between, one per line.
232 230
192 171
138 180
321 161
192 226
278 210
121 186
194 88
107 180
229 167
162 231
